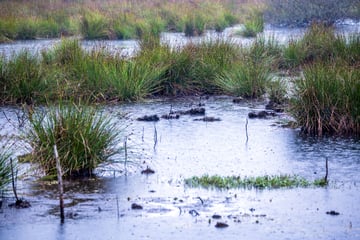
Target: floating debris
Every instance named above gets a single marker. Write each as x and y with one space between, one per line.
149 118
261 114
238 100
192 111
221 225
170 116
216 216
147 171
333 213
20 203
194 213
208 119
136 206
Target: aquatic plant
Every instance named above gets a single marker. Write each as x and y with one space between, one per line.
250 73
253 25
83 136
5 169
94 26
327 99
22 78
277 90
194 25
269 182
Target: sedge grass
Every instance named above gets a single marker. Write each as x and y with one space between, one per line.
327 100
84 139
5 169
253 25
22 78
250 73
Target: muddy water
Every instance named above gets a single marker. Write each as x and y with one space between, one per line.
100 208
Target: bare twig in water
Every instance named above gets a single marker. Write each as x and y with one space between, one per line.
155 137
246 129
327 171
117 206
126 155
13 179
61 189
142 137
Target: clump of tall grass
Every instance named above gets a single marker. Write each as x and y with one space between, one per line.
5 169
250 74
84 139
327 99
22 78
94 26
194 25
253 25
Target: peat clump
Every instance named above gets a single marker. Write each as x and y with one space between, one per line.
261 114
208 119
192 111
149 118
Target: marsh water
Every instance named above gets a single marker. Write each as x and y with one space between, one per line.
129 47
100 208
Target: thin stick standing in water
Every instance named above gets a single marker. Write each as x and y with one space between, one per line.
13 180
246 130
155 137
327 171
60 182
126 154
117 206
142 137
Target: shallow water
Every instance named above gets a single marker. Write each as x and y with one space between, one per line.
101 208
129 47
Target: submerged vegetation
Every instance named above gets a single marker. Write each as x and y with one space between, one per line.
268 182
84 138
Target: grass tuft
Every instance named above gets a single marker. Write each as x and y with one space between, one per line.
5 169
84 139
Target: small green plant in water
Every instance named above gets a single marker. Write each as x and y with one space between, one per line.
261 182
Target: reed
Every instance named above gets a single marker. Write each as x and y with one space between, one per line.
83 136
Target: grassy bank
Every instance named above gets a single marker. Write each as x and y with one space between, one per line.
114 19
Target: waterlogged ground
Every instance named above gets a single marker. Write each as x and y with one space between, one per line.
176 149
